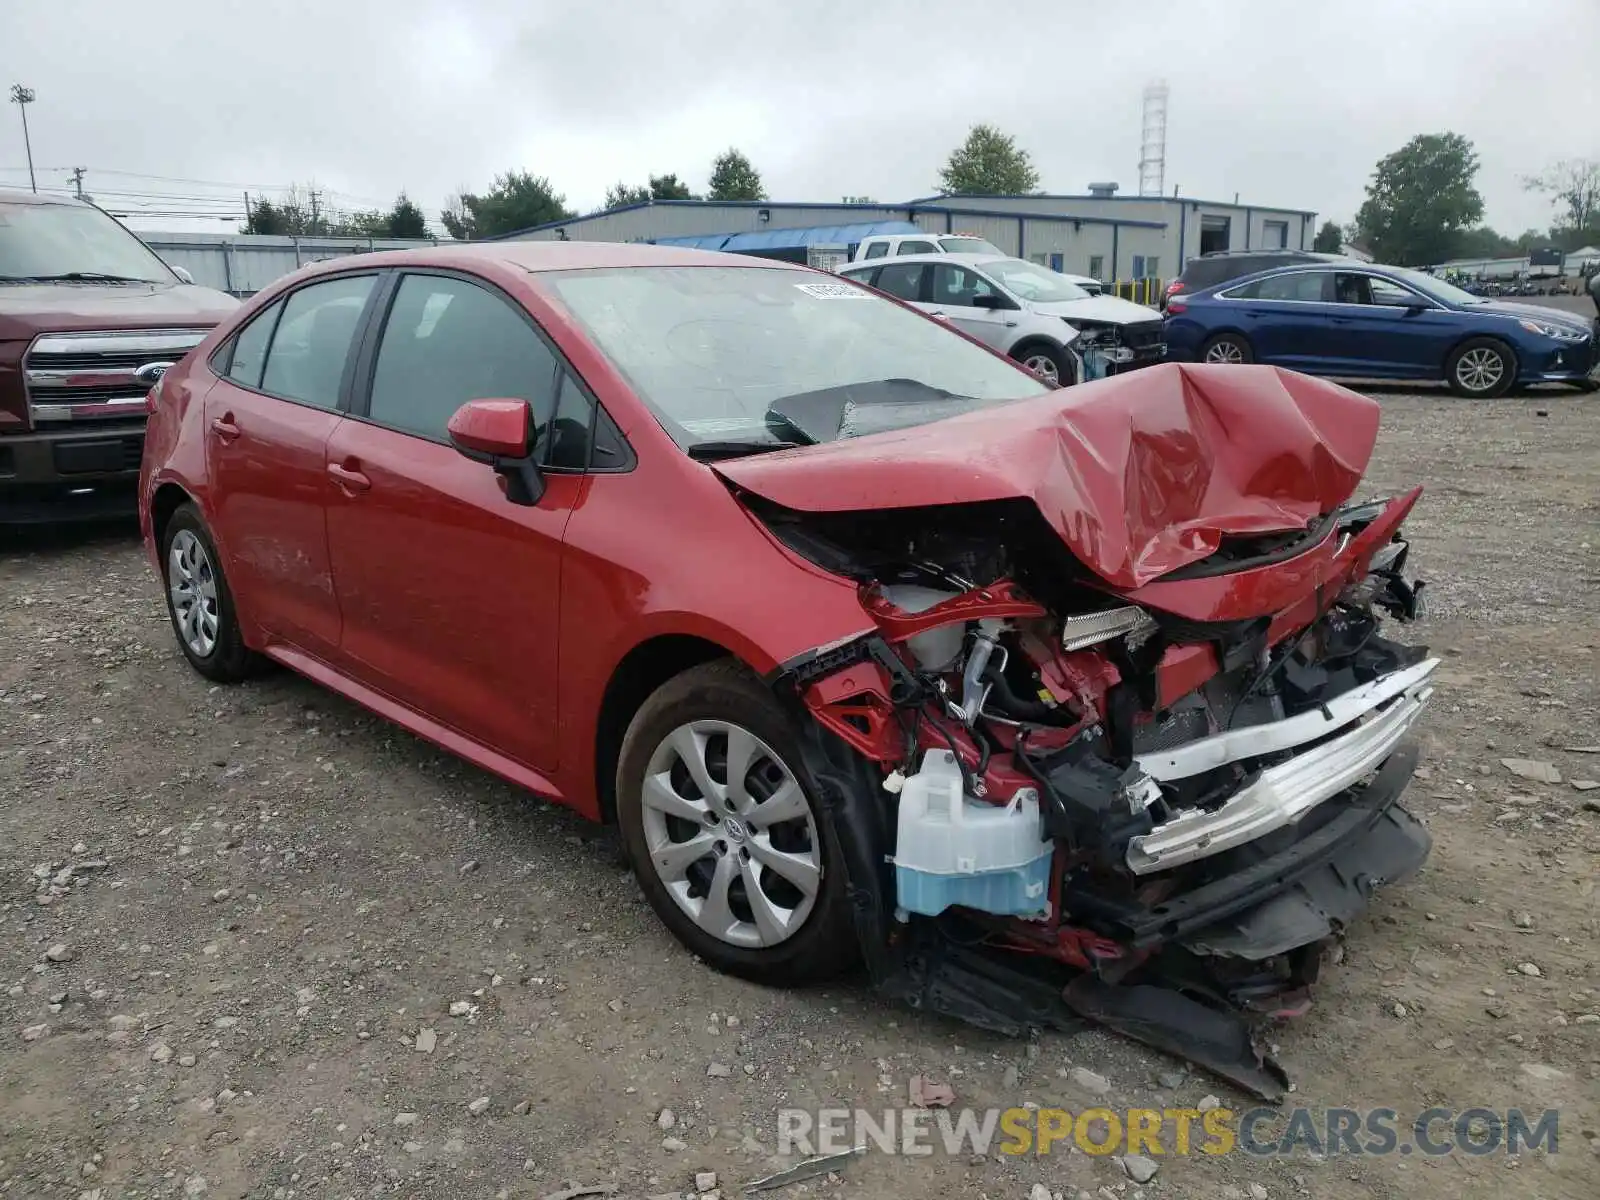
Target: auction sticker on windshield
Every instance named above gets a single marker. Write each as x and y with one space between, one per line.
833 291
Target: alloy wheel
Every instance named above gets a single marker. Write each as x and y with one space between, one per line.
730 834
1480 369
192 588
1225 352
1043 366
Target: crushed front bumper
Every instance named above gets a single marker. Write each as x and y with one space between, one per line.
1369 721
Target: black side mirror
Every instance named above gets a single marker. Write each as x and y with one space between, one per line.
990 302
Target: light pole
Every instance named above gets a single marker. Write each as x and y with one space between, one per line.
22 97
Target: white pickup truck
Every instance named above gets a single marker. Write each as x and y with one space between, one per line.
892 245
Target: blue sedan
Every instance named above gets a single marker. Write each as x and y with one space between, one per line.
1369 322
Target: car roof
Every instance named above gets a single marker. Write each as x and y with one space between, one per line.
16 196
1287 251
563 256
1323 263
974 259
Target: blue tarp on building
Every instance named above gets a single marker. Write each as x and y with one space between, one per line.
789 239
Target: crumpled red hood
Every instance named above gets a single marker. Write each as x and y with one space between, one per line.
1140 474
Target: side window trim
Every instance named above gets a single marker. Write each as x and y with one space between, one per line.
1232 292
1394 283
370 341
282 304
221 361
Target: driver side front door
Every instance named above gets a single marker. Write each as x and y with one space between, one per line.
450 592
958 294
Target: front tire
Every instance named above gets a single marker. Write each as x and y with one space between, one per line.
199 602
1227 349
1050 363
727 841
1481 369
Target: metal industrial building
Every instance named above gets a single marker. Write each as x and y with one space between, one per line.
1103 235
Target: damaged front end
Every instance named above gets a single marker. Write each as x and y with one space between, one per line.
1151 807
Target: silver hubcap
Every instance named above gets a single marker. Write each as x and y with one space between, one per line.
1043 366
192 589
1225 352
730 834
1480 369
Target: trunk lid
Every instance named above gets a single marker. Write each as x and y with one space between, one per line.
1139 474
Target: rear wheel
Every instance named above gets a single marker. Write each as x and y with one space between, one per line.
199 602
1227 349
728 844
1050 363
1481 369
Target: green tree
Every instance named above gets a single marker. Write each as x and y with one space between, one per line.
405 220
368 223
669 187
733 177
457 219
517 200
988 163
625 194
265 217
1329 238
1420 201
1573 185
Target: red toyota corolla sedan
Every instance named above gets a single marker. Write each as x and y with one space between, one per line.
1044 704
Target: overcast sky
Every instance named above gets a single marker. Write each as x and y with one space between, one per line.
1285 103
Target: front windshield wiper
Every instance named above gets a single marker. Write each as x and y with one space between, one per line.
715 451
76 277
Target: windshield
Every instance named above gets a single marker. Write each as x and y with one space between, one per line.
968 245
1033 282
52 240
716 351
1430 285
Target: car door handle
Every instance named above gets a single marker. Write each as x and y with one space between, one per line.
348 480
224 428
1341 320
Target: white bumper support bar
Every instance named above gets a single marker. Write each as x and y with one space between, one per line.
1285 793
1207 754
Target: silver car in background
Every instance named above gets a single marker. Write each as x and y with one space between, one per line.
1037 316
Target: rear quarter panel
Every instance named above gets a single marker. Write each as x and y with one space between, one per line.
174 441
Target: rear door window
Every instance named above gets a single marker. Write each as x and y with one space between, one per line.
876 249
311 344
447 341
904 280
1304 287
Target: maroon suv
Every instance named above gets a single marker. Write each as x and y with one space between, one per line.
90 319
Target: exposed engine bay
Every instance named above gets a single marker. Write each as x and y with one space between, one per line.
1155 807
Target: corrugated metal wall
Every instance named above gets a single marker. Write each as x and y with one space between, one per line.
244 264
687 220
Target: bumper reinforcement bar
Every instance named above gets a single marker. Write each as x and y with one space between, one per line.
1282 794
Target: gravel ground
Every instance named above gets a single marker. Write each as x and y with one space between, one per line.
259 943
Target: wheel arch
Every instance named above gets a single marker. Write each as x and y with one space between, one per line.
636 676
1211 335
1479 335
1035 341
168 498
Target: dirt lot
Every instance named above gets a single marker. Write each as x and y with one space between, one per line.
275 893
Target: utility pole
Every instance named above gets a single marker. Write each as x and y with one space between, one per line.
77 180
22 97
314 230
